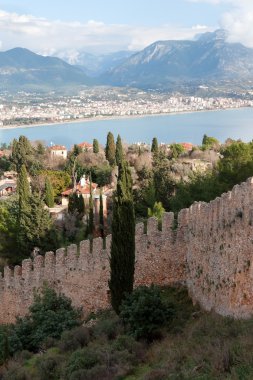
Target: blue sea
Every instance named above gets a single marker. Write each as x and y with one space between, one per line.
188 127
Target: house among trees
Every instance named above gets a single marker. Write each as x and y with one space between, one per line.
8 183
85 147
84 188
58 151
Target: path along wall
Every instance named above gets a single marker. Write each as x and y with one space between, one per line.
211 251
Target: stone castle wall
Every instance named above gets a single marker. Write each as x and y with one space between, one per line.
211 251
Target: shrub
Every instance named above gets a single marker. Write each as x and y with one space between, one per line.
108 328
74 339
144 312
50 315
48 366
82 360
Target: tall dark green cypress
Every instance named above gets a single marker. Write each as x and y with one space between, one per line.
119 151
110 149
154 146
23 190
49 193
95 146
101 214
122 259
91 215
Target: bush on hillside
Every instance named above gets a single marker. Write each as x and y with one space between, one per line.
144 312
50 315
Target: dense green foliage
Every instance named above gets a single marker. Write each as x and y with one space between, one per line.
48 317
210 143
110 149
119 155
144 312
95 146
25 224
176 150
154 145
49 193
234 167
76 203
122 258
101 351
22 153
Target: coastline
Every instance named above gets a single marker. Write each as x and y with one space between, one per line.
115 117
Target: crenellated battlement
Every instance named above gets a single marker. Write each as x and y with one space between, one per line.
210 250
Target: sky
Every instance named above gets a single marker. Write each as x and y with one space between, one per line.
66 28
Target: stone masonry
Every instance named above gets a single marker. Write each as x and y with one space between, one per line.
211 251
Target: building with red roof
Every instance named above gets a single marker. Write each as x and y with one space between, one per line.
85 146
59 151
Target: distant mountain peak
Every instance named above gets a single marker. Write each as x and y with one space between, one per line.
210 58
219 34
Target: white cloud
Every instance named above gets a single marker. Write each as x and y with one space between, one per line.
238 20
55 37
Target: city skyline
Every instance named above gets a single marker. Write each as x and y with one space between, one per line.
66 29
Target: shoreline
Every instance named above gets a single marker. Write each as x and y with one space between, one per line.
116 117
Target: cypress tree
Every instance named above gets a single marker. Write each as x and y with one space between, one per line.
119 151
110 149
101 214
123 239
49 193
91 216
95 146
23 189
154 146
76 203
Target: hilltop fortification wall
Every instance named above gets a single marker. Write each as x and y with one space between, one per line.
83 275
211 251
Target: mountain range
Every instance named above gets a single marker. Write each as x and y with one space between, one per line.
22 69
164 65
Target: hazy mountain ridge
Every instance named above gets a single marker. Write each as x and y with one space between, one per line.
21 68
208 58
169 65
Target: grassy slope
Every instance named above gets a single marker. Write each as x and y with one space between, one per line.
195 346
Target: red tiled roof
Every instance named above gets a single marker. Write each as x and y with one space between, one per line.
58 147
82 190
85 145
187 146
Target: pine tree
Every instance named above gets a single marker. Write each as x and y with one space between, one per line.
49 193
110 149
119 151
95 146
123 239
37 227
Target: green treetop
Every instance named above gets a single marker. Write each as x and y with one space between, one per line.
49 193
154 146
119 151
22 153
110 149
95 146
23 189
